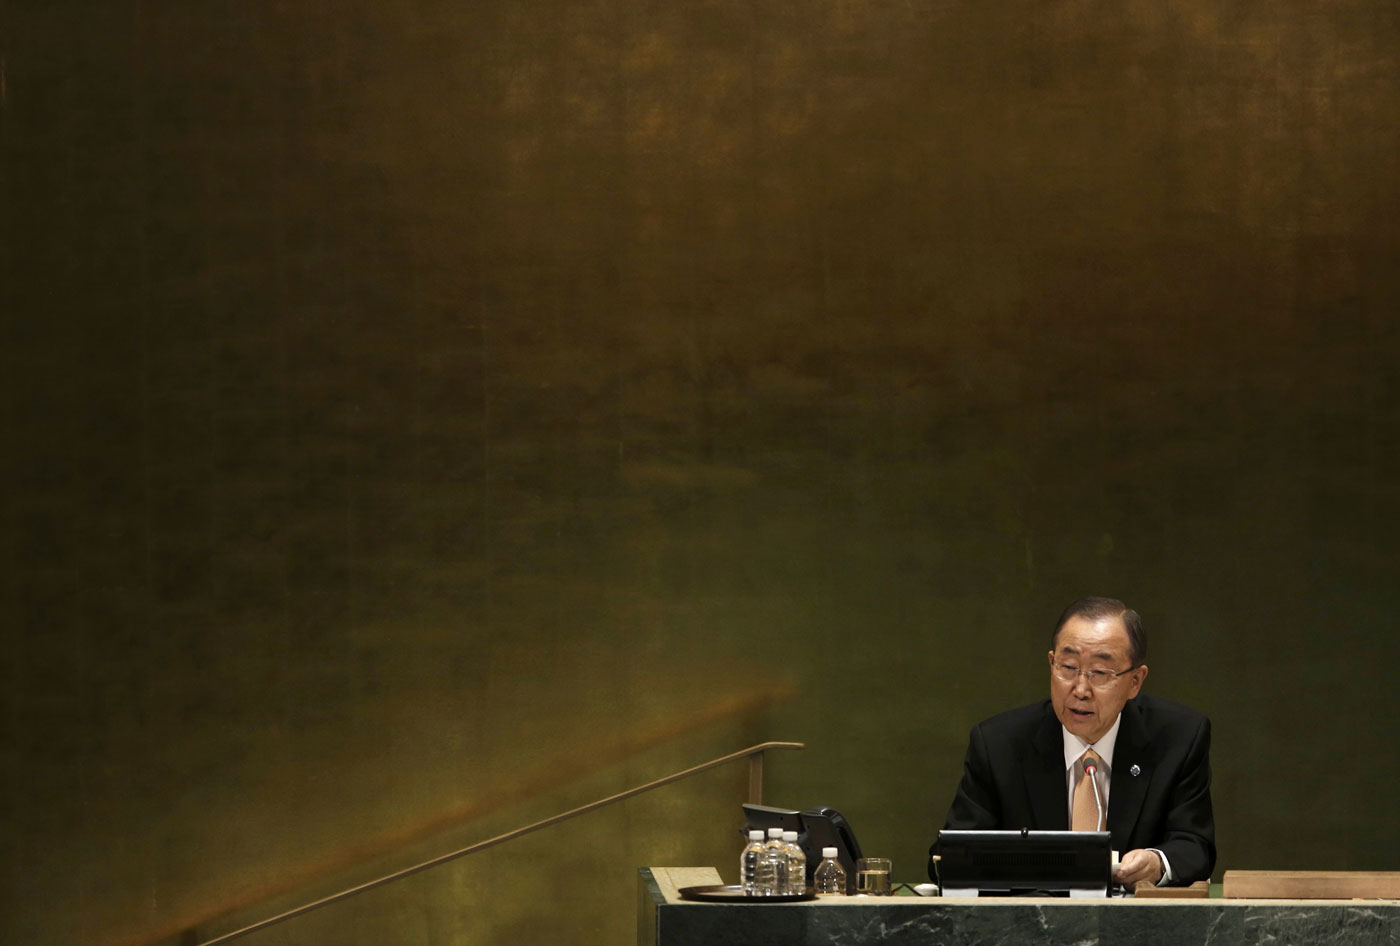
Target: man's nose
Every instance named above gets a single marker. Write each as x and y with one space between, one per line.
1082 688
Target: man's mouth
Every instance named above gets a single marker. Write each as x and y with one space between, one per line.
1081 713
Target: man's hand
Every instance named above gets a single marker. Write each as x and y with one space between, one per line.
1138 866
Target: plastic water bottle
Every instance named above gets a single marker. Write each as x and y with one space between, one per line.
796 864
772 865
748 862
830 878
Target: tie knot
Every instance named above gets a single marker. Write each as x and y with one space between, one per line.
1090 757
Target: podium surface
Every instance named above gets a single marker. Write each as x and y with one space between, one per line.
664 919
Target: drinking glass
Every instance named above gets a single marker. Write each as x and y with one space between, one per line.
873 877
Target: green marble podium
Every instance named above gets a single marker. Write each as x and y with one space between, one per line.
663 919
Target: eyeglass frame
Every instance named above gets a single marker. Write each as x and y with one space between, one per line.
1107 676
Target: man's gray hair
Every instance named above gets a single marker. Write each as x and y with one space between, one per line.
1097 609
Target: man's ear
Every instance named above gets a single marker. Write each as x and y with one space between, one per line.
1139 675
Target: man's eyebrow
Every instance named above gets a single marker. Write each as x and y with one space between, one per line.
1101 655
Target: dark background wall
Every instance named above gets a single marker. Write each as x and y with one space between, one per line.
421 417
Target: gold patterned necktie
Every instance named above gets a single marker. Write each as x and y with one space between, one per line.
1086 810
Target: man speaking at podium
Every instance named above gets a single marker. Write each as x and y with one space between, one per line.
1025 768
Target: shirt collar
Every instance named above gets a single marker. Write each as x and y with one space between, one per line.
1074 746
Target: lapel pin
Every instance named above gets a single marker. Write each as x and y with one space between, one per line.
1135 771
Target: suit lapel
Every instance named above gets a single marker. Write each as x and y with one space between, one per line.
1126 795
1045 776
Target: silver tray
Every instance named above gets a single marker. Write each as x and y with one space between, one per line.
735 894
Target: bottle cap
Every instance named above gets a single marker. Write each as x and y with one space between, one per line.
828 852
756 835
775 832
789 835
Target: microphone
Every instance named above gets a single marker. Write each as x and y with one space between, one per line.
1091 769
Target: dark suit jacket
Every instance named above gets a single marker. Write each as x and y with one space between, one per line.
1014 777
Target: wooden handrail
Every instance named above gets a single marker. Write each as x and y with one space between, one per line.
753 753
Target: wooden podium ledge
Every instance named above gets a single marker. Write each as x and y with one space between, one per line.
1200 890
1311 885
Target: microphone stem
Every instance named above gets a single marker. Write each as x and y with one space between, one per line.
1098 798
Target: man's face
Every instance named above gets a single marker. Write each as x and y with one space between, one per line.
1084 710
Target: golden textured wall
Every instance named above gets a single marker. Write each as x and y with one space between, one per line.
421 417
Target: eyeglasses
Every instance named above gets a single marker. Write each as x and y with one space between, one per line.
1098 679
